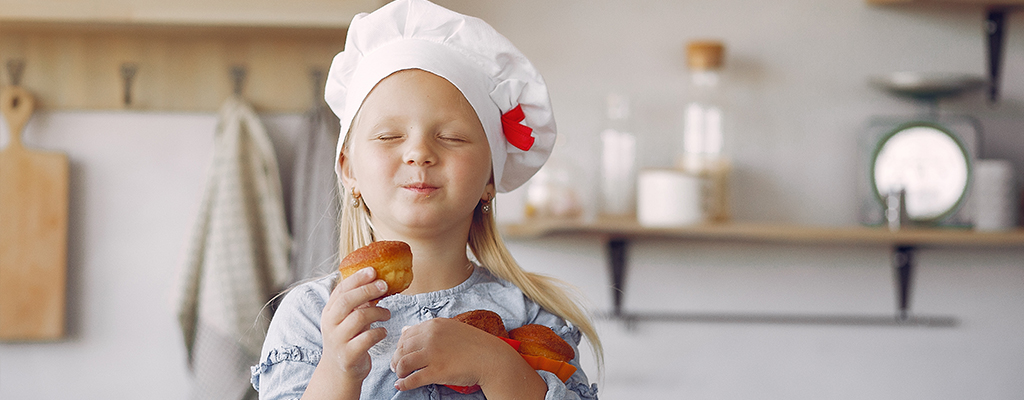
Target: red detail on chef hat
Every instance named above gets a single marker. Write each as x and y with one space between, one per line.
517 134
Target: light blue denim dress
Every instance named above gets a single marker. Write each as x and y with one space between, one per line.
294 342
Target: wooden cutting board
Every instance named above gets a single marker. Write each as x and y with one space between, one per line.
33 230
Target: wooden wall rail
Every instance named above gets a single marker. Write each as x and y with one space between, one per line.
293 13
78 66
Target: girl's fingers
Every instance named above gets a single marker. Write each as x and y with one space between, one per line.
356 323
359 320
445 351
405 342
352 293
365 340
409 364
360 295
359 278
354 357
411 355
347 320
415 380
414 370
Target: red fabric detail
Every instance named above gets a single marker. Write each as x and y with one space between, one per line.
465 389
512 342
517 134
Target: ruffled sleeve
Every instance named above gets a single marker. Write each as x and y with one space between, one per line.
294 344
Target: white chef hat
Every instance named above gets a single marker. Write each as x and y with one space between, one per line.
504 88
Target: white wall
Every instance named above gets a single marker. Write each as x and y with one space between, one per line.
798 71
136 183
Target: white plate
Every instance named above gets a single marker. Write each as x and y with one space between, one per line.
928 84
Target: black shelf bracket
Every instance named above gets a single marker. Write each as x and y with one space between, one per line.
617 263
903 268
903 272
995 33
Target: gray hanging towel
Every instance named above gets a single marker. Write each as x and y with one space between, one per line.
314 198
237 258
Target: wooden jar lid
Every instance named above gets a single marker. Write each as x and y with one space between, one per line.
705 54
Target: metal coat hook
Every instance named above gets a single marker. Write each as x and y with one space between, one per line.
128 71
317 75
15 67
238 76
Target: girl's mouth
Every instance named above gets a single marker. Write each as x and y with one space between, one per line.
420 188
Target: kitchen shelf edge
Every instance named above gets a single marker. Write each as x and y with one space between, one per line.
770 232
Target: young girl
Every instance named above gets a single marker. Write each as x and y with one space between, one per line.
438 113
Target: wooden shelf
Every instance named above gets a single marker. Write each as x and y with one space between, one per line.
618 233
773 233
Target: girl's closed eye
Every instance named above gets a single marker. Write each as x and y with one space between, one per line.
387 136
453 137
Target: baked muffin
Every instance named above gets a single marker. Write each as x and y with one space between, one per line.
539 340
487 320
391 259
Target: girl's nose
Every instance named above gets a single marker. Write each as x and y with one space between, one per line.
419 153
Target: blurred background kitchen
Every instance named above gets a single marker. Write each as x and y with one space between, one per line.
791 298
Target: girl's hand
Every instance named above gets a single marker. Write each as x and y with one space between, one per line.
449 352
345 324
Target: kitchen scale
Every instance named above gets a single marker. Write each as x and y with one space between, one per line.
916 170
919 166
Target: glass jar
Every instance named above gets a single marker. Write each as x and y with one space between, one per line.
618 160
704 121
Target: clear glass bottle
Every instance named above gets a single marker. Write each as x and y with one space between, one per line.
618 160
704 127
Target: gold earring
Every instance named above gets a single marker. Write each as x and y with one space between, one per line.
356 199
486 208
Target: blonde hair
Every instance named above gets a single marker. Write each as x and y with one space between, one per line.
552 294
